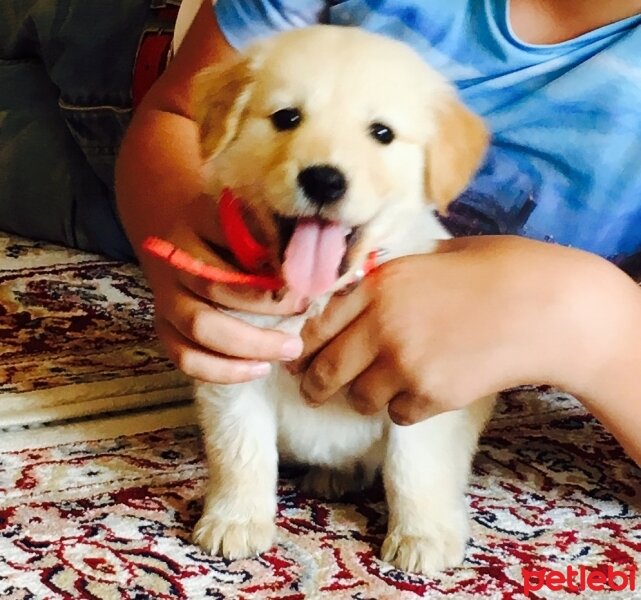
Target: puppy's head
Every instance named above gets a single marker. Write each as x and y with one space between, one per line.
335 138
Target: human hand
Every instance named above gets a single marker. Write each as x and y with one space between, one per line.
432 333
201 339
159 169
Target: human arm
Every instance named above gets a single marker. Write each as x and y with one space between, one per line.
159 191
432 333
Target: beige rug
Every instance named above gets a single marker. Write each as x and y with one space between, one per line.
76 337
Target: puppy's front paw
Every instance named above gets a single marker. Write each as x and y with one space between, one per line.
234 540
429 554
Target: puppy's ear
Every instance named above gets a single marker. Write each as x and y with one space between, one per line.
219 97
454 153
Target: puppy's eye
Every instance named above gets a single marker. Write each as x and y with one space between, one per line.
286 118
381 133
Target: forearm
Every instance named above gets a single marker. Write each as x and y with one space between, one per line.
580 316
610 387
158 173
158 169
618 407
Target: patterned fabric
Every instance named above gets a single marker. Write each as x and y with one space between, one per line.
563 165
111 518
76 336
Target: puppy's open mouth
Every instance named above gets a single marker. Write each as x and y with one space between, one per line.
314 252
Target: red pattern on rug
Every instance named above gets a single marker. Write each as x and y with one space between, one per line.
112 519
76 336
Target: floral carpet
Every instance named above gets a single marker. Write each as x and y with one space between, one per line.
102 471
76 336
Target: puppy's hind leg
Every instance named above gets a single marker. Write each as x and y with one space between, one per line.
426 473
239 424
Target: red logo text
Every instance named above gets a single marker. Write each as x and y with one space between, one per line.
580 579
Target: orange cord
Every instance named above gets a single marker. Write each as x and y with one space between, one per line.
251 255
185 262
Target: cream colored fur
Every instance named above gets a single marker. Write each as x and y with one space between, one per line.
342 79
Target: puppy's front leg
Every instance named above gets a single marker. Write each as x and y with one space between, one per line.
426 472
239 424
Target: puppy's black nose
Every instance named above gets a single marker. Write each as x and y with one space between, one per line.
322 184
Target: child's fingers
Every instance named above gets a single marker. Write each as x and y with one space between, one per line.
340 362
339 314
243 298
206 366
239 297
372 390
215 331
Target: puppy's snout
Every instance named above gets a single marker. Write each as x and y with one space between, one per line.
322 184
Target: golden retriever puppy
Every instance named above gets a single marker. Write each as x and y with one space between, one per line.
340 142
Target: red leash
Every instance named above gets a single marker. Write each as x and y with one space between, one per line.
186 262
249 253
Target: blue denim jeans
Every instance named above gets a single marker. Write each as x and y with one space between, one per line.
65 103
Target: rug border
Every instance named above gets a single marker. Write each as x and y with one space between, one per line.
100 428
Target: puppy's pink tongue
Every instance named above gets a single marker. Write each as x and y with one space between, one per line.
313 256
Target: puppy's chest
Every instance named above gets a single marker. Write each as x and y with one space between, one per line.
334 433
329 435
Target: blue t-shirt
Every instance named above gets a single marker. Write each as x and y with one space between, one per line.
565 160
